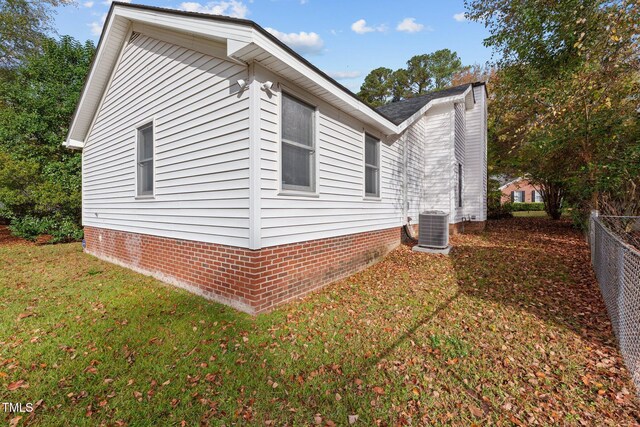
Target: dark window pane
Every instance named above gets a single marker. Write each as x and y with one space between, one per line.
297 121
146 143
371 181
145 177
297 164
371 151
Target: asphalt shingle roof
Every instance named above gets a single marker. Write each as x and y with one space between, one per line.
400 111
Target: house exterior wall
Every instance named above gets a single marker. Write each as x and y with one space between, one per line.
339 206
219 223
459 149
475 180
437 161
519 185
254 281
201 127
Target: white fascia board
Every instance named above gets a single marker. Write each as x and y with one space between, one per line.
77 136
449 99
73 144
195 25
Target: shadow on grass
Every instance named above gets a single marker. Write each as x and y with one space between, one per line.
539 266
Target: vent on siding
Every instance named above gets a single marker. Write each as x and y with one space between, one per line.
134 36
433 229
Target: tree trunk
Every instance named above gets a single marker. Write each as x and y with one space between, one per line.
552 194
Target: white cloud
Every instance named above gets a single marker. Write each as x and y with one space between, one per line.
343 75
304 1
409 25
96 26
302 42
234 8
88 4
361 27
460 17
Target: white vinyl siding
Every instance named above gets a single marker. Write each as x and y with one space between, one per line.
459 143
417 174
338 207
201 156
475 155
438 181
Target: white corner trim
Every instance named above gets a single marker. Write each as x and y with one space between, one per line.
255 173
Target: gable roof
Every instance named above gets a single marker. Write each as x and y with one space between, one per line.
245 42
400 111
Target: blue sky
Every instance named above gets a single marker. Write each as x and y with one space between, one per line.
346 39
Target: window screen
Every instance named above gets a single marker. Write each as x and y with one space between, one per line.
298 145
371 166
145 160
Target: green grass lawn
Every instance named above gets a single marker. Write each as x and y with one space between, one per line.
508 330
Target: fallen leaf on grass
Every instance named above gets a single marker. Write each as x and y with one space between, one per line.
14 421
24 315
378 390
353 419
477 412
17 384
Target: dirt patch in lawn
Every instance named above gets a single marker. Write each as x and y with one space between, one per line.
508 330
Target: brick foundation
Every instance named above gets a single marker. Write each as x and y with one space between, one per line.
251 281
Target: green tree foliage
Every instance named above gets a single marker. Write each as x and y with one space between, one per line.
39 177
566 109
376 88
443 65
23 25
419 72
424 73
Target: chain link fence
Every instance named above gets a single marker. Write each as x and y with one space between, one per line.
615 255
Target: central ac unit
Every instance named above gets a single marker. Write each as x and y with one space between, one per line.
433 229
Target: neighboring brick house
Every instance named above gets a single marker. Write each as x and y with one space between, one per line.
217 159
520 190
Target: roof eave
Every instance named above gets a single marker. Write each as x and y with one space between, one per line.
86 109
434 102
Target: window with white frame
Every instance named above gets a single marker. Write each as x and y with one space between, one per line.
298 145
537 197
517 196
371 166
145 160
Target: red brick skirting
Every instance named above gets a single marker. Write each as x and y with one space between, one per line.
251 281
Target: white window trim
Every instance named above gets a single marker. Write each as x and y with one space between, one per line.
288 192
149 121
365 195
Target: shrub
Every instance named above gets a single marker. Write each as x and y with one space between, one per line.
61 229
498 210
526 207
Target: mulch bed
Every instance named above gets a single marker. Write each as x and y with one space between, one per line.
7 239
